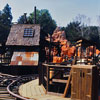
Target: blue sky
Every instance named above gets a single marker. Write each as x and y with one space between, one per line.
62 11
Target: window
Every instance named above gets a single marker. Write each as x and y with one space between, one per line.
29 32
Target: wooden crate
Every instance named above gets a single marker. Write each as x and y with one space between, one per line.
84 82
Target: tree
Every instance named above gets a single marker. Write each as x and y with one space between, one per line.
80 27
84 24
6 16
31 17
94 35
43 18
5 23
73 31
46 22
21 19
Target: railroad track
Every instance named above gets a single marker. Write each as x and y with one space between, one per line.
9 86
4 95
5 79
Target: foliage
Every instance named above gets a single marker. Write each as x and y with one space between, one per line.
73 31
5 23
80 27
21 19
94 35
43 18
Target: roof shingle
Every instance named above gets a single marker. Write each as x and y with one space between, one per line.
16 36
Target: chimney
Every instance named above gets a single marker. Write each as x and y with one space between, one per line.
25 19
35 15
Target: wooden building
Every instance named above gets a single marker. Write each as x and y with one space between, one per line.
24 42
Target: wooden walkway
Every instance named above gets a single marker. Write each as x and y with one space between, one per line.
33 91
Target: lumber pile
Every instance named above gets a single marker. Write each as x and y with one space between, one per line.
66 50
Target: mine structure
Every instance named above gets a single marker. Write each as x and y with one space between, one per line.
54 68
23 49
72 68
66 72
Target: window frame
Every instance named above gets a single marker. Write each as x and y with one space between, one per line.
29 32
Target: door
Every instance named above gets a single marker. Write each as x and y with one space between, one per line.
76 86
86 84
81 84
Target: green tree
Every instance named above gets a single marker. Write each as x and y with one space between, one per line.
31 17
43 18
94 35
21 19
5 23
73 31
6 16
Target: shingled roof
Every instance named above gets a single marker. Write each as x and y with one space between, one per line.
17 38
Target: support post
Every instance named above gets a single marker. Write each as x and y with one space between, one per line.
40 73
67 84
50 49
48 78
35 15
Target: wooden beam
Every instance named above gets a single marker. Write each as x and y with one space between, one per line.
59 81
54 94
47 78
40 73
67 84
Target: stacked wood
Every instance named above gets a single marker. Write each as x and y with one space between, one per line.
57 59
71 51
90 51
65 49
55 52
58 36
79 52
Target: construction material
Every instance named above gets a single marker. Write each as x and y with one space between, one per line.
67 84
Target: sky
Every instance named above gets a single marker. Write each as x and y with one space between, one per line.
62 11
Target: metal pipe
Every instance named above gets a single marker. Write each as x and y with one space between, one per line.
35 15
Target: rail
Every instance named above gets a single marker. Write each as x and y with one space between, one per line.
13 94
